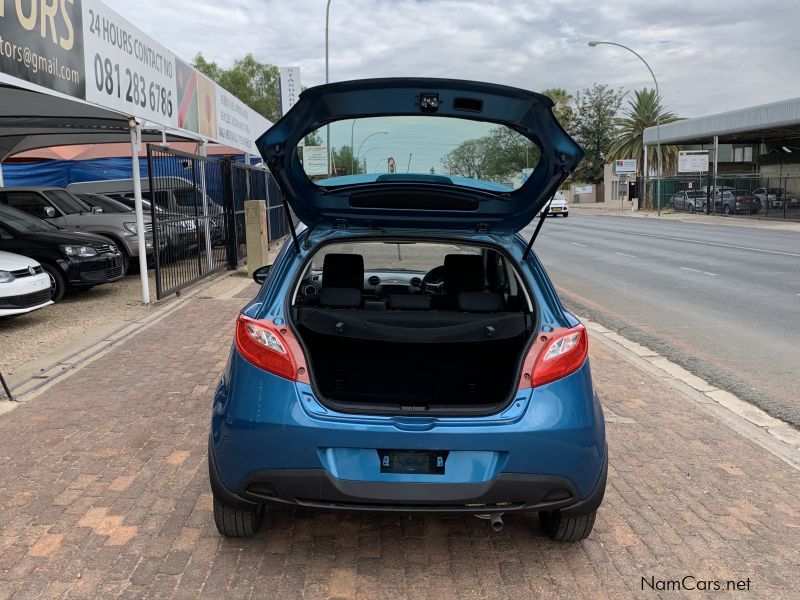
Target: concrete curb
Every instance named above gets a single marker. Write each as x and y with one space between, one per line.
775 436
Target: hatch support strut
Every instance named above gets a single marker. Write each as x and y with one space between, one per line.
291 225
536 231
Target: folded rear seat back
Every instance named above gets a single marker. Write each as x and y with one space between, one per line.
480 302
335 297
409 302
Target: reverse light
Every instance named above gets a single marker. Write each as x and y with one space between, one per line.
272 348
555 355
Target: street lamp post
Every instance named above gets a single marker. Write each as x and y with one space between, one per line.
594 43
327 127
365 139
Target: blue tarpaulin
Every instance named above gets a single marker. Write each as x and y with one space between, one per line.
60 173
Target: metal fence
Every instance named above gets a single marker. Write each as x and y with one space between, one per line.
750 195
197 208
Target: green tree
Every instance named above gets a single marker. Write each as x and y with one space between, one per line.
252 82
640 114
344 161
497 156
562 108
594 128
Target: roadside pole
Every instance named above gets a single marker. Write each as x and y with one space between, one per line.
713 200
2 183
206 218
136 144
645 176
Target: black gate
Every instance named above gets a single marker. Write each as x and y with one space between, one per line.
197 207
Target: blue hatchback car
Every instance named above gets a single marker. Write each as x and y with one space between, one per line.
407 351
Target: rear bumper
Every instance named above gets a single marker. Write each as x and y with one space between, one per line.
273 442
317 488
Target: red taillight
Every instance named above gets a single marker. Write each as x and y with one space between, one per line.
554 355
272 348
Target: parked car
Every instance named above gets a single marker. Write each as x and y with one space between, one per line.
691 200
775 197
72 259
558 206
408 353
24 286
730 203
180 233
65 210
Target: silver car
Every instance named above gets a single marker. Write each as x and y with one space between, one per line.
63 209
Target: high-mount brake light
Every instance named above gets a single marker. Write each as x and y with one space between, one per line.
554 355
272 348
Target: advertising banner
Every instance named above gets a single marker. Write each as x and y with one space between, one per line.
42 43
127 69
84 49
233 122
290 87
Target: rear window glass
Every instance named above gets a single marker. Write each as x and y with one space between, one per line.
416 148
391 256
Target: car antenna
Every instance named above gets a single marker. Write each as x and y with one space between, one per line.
542 217
291 225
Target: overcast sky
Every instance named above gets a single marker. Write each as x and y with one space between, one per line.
708 56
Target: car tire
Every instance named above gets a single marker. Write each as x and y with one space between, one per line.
126 262
727 209
235 522
566 529
58 285
691 208
565 215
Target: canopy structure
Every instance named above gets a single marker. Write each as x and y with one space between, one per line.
30 120
764 123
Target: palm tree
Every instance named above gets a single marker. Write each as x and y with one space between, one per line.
640 115
562 108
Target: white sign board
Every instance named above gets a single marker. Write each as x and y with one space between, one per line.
627 165
125 68
315 160
583 189
290 87
692 161
233 121
526 173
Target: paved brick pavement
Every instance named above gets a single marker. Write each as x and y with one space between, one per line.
103 493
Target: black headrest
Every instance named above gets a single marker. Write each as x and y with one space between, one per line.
340 297
464 272
479 302
343 271
409 302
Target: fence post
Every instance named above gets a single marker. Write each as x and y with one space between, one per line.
228 192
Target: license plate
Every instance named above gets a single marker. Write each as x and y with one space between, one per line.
555 209
413 461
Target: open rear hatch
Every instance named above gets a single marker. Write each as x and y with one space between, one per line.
419 154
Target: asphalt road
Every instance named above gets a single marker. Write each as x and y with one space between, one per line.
721 301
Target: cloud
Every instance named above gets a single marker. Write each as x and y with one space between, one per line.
708 57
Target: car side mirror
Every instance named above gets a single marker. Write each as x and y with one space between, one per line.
96 210
49 212
261 273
